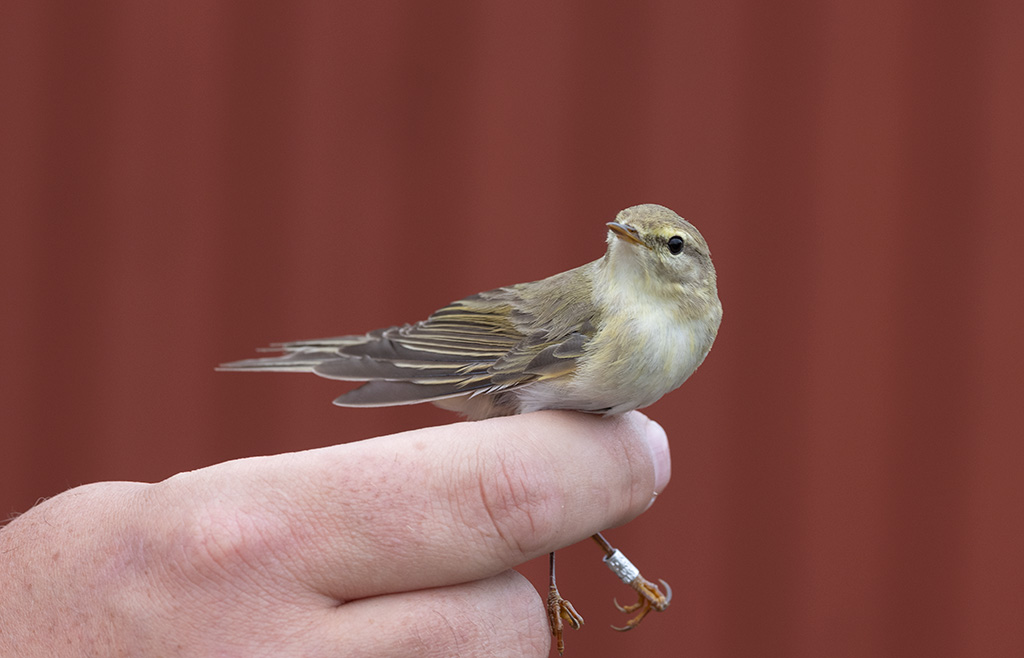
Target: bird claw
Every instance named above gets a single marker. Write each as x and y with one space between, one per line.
560 609
650 598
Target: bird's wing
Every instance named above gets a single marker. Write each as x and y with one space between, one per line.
457 341
457 344
488 343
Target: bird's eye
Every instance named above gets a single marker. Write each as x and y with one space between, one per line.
675 244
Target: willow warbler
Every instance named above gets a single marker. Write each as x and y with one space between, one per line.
606 337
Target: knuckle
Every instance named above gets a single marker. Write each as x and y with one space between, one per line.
218 538
516 500
215 540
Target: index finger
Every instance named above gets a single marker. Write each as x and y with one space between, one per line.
453 503
469 500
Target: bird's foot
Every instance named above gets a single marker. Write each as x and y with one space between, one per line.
650 598
560 610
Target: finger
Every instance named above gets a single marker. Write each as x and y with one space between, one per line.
466 501
499 616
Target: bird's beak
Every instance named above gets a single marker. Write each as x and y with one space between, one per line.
627 233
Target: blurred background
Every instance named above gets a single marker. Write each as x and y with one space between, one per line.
182 182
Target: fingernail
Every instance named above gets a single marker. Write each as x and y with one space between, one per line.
657 441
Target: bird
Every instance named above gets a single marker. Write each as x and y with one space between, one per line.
607 337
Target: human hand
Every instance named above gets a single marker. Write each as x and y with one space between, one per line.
395 546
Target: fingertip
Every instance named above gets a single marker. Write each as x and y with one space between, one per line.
657 442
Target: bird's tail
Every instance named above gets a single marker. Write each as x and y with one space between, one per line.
299 355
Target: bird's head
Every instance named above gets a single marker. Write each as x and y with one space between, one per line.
652 246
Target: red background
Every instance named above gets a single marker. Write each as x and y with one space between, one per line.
185 181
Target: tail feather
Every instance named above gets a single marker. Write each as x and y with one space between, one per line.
395 371
326 343
299 361
391 394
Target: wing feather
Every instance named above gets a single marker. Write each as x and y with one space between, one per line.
485 344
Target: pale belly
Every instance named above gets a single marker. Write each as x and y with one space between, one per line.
629 365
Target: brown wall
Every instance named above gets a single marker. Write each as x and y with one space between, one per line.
185 181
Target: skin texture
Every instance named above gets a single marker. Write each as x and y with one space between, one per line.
381 547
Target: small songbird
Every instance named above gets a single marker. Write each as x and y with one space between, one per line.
606 337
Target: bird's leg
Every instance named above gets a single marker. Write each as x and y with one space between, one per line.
559 609
650 597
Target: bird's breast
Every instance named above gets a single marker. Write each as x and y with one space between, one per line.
638 359
631 362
